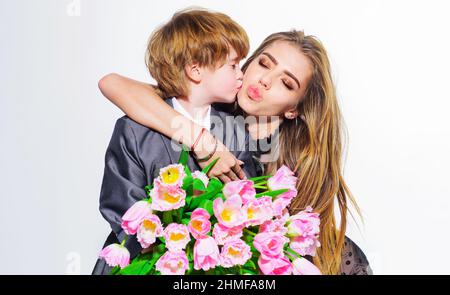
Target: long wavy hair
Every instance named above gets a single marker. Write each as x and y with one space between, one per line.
312 147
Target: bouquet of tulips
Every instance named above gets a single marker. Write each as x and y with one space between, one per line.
190 224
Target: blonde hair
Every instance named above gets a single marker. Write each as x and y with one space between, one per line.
191 36
312 147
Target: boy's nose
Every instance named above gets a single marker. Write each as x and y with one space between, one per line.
240 74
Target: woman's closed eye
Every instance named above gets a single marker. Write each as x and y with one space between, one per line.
288 84
263 63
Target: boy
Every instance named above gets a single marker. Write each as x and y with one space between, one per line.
195 60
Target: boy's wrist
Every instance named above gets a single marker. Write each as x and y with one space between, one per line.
206 145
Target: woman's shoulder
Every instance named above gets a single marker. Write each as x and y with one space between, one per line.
354 261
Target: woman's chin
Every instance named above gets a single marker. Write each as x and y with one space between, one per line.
246 105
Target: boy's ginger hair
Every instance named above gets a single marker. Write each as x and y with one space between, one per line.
191 36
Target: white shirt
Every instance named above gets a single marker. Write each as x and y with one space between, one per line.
204 122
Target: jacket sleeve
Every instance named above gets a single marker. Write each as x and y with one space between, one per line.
124 180
248 154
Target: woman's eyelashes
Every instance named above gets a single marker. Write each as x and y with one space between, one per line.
288 85
263 63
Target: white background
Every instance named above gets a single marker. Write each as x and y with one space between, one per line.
390 62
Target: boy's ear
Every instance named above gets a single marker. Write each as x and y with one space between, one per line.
194 72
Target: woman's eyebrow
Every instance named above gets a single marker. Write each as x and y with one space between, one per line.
273 59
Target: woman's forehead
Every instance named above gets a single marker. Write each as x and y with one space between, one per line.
290 58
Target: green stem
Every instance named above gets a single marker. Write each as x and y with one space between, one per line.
255 179
260 186
249 232
124 241
261 182
292 253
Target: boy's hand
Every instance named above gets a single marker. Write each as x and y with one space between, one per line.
227 168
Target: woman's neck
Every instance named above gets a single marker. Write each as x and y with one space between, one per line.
263 126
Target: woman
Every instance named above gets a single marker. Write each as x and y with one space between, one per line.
287 78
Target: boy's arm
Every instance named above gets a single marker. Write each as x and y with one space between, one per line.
124 180
140 102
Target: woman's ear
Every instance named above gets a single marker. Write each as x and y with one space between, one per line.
291 115
194 72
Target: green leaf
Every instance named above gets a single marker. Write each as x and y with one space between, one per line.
188 201
148 188
115 270
184 156
191 268
179 214
146 256
189 250
160 249
199 185
195 202
167 217
250 264
247 271
154 259
140 267
185 221
208 206
187 170
214 185
272 193
210 165
187 181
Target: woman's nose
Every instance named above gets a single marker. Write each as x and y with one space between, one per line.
265 81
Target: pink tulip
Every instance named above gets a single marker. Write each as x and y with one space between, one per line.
275 226
258 210
176 236
115 255
229 213
303 267
305 245
199 225
275 266
173 263
166 198
304 228
206 254
282 201
223 234
132 219
283 179
149 230
270 244
304 223
172 175
243 188
235 253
